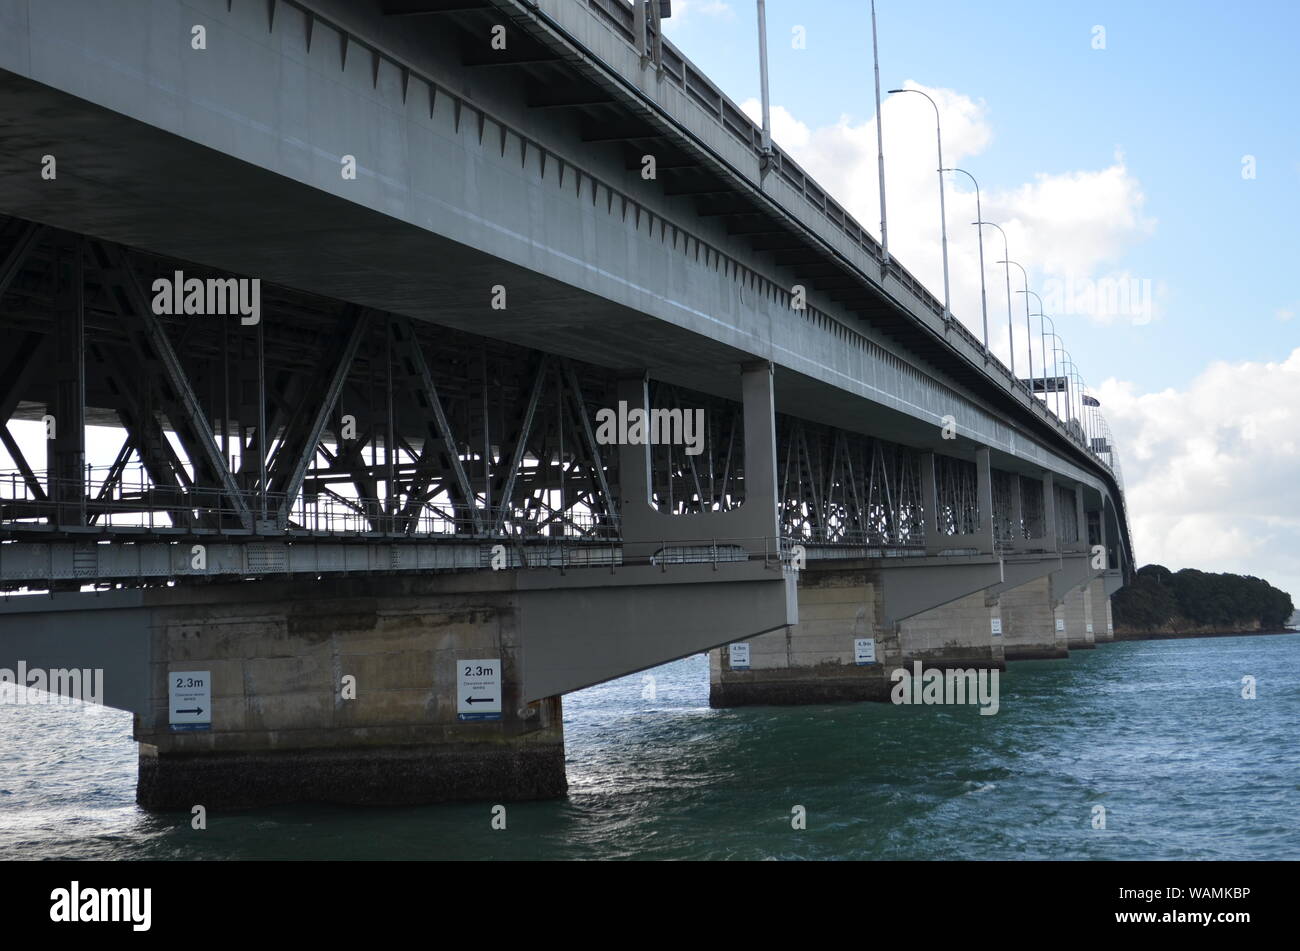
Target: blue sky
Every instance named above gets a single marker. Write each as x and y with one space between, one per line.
1185 90
1125 161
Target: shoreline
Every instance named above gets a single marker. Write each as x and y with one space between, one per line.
1170 636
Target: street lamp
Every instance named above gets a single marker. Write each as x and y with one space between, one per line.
762 76
1056 368
1029 342
1067 362
943 215
1043 337
1079 385
1029 334
1006 255
984 297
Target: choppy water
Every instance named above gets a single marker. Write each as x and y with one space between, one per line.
1155 731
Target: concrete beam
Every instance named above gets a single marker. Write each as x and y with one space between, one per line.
107 631
913 585
590 626
1020 570
753 526
1074 573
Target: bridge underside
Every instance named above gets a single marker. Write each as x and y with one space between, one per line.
378 439
118 181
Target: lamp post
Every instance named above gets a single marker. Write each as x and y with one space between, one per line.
1057 370
762 76
1029 341
984 297
943 214
1077 378
1006 256
1069 398
880 149
1043 337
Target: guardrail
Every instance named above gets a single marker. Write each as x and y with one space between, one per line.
130 501
126 502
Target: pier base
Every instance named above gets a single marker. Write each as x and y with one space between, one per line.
818 660
344 692
1103 623
1029 623
1077 611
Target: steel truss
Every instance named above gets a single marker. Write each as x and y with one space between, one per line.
326 419
844 489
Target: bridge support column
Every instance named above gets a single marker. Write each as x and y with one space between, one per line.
1103 623
66 451
1029 623
813 661
346 692
1077 611
818 660
956 635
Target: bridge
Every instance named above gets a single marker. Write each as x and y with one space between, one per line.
367 297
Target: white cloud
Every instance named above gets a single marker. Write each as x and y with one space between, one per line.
1067 229
687 11
1211 470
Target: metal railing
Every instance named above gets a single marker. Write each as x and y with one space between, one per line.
131 502
677 69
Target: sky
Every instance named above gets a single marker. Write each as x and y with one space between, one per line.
1144 162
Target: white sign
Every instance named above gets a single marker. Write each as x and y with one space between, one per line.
997 626
1090 628
478 691
189 698
739 656
1060 624
864 651
1110 628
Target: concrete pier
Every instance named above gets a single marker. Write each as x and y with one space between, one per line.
1029 623
285 729
956 635
1103 623
1077 612
813 661
819 659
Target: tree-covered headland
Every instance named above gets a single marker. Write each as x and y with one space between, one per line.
1162 600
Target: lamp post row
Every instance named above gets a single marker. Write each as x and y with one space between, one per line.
979 224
